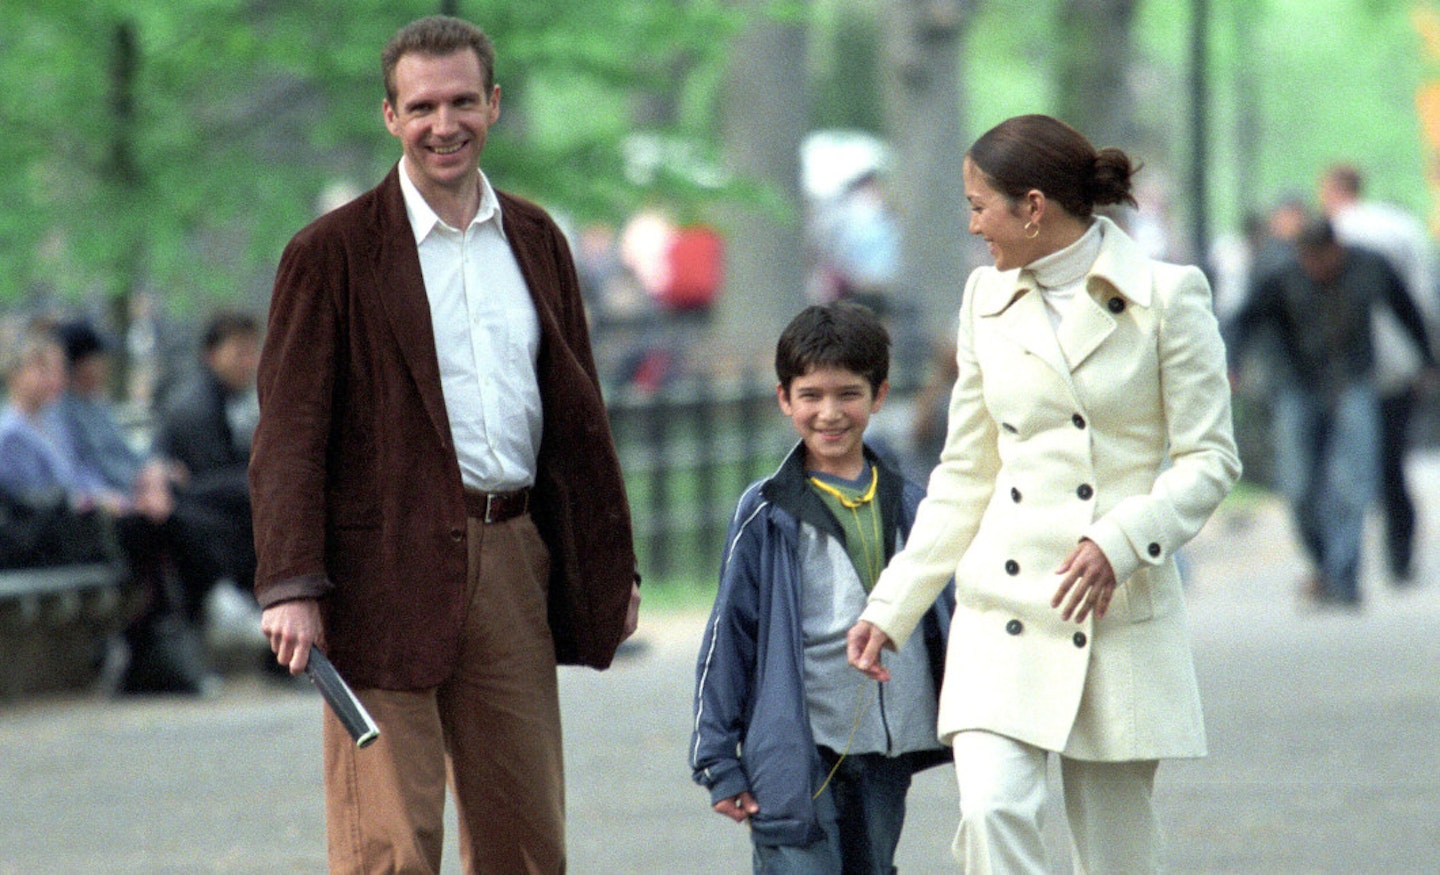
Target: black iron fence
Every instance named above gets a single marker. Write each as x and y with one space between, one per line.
688 451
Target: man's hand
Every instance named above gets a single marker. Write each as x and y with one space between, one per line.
632 613
1088 582
862 649
739 808
291 627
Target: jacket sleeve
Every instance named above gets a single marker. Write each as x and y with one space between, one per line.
1402 304
725 669
1147 529
288 463
959 489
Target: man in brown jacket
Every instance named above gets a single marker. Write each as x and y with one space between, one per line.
437 498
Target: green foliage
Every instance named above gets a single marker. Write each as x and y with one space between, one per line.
1307 82
244 113
845 65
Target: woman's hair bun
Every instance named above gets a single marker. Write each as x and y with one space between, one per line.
1111 184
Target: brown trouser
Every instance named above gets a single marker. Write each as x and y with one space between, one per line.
492 728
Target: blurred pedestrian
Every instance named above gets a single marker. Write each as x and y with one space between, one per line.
38 469
205 430
1089 438
438 502
859 243
1401 238
1319 308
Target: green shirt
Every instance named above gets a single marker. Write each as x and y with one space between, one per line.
856 508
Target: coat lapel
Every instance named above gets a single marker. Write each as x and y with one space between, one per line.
400 286
1018 307
1083 329
1024 320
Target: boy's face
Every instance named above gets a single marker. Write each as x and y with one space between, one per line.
830 408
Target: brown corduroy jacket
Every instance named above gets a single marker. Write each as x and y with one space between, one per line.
354 479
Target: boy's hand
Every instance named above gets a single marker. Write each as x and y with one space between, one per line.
862 648
739 808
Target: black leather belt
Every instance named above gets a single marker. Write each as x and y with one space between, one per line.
496 507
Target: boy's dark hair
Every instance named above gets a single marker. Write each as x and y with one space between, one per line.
840 334
225 325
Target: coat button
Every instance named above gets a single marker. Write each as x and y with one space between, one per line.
1116 305
1078 420
1079 639
1153 549
457 535
1085 492
1012 567
1014 495
1014 627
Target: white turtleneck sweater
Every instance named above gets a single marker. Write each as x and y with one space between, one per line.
1061 275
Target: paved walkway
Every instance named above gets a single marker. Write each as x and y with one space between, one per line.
1324 735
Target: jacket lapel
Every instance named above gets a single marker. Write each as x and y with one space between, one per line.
1024 321
1083 329
1019 308
400 286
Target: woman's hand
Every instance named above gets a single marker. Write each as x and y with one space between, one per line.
1087 585
862 648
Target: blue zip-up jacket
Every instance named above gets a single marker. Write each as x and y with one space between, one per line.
752 726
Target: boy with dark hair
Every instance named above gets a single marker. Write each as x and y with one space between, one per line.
816 757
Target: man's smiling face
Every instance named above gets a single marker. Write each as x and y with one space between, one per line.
441 115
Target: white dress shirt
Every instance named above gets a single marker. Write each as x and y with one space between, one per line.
487 338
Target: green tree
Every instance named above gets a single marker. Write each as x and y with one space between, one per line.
175 147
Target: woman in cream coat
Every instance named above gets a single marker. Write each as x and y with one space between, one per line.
1089 438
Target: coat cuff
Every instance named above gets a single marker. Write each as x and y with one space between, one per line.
305 586
1111 540
725 782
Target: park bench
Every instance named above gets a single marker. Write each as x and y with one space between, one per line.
54 623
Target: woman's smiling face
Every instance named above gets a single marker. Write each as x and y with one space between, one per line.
998 220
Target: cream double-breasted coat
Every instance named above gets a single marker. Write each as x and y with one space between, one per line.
1116 427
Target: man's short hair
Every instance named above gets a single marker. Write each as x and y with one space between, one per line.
225 325
1318 233
839 334
436 36
1347 178
81 340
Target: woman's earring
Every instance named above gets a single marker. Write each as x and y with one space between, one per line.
1031 230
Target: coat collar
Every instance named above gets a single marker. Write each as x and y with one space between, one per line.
1120 267
789 488
1012 298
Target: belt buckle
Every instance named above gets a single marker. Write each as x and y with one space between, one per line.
497 503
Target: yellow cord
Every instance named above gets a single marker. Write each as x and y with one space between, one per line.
862 704
863 692
873 563
851 503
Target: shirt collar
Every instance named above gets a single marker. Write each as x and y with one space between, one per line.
423 219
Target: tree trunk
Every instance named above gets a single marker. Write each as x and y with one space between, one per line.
123 174
922 45
1094 67
764 115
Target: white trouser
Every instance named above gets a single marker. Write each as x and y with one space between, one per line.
1002 802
